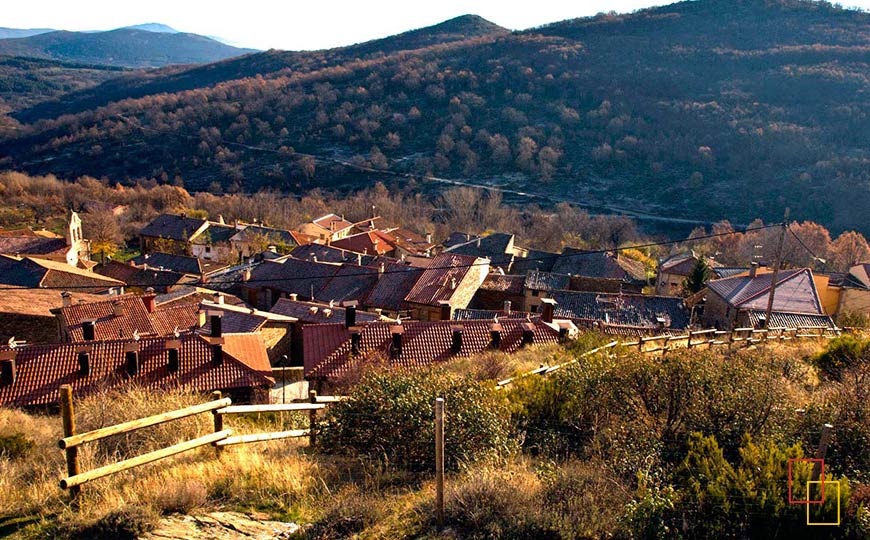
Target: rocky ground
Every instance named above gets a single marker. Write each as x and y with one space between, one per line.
221 526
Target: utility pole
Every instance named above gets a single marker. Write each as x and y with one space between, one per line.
776 266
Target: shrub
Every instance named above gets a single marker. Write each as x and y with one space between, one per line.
390 414
842 354
15 446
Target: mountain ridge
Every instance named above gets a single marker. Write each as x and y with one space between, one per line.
121 47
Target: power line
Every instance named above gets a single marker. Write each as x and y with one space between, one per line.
206 283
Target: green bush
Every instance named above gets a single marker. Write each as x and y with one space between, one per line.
15 446
842 354
748 499
390 414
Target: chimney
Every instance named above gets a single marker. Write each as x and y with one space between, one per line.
528 333
314 258
507 307
548 307
131 355
753 269
118 308
172 347
150 300
396 349
272 249
453 283
66 297
84 361
355 341
456 339
381 268
350 314
215 319
88 330
359 259
7 368
246 275
219 298
201 318
446 310
217 354
428 238
478 242
294 296
495 336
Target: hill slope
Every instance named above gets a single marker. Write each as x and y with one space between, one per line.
175 79
126 47
6 33
704 110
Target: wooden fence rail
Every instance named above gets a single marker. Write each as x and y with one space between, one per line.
694 338
219 407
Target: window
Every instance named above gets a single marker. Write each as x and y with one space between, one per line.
208 249
534 309
534 293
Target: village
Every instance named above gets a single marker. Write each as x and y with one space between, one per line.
266 315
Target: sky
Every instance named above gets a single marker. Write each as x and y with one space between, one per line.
302 24
295 24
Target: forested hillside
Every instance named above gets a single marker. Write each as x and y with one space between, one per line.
126 47
705 110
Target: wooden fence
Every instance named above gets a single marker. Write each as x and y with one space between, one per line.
739 337
219 407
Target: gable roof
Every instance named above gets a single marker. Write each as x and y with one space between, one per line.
546 281
541 261
408 240
393 286
622 309
443 278
496 247
312 312
795 291
327 347
42 369
332 222
595 264
43 273
367 243
350 282
507 284
160 280
320 253
858 276
39 302
173 227
133 318
457 238
271 235
32 245
183 264
293 276
216 233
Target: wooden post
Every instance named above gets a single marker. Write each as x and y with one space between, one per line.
821 451
218 420
689 340
69 429
439 461
312 417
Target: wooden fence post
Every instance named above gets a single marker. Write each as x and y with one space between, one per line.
439 461
69 429
689 340
218 420
312 417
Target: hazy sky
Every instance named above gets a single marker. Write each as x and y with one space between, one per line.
296 24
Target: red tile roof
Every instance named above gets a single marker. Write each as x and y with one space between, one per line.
442 279
134 318
42 369
504 283
368 243
327 347
393 286
351 282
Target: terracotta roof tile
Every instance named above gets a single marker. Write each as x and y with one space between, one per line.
42 369
327 347
393 286
437 282
133 318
